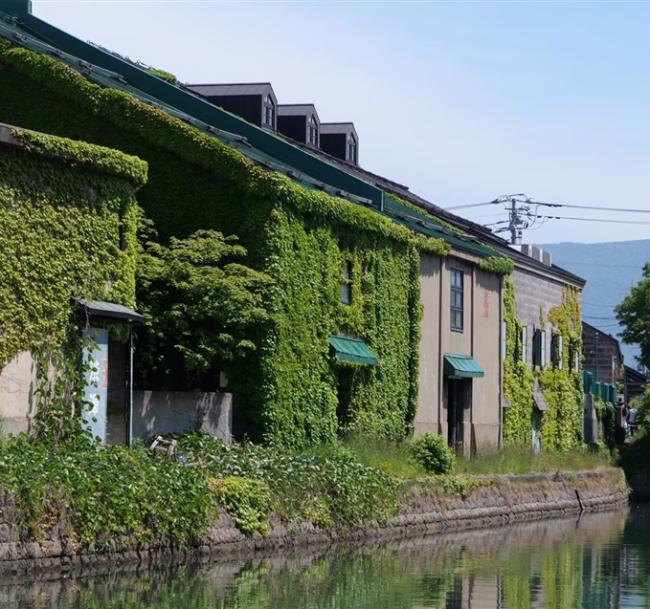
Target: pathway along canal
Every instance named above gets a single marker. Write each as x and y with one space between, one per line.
601 561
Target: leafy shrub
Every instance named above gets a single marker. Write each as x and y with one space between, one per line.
327 485
247 500
431 452
111 492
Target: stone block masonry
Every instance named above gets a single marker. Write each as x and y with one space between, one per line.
427 507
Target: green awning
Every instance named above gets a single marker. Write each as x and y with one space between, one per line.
462 367
353 350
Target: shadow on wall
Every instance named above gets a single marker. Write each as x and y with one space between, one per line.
167 412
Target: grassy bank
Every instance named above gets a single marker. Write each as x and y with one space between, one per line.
395 459
100 494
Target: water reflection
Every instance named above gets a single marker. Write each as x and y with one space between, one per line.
599 562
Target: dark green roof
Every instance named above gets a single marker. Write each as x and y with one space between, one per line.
353 350
462 366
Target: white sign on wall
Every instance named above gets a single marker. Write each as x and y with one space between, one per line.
95 360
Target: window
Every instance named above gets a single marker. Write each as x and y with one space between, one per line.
352 149
269 112
524 344
539 348
346 283
504 340
312 131
457 301
574 356
557 353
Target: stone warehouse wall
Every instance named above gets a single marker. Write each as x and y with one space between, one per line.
427 507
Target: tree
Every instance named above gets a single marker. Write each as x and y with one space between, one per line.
203 308
633 313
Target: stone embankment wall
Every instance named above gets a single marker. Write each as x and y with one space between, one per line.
488 501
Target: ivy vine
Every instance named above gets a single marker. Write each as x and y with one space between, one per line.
562 424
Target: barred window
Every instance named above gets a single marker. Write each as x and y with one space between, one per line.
457 301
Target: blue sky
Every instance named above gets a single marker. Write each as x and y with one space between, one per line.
463 102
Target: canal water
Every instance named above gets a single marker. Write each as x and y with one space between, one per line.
600 561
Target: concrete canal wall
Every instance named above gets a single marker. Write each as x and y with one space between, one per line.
472 503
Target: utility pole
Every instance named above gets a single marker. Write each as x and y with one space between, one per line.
520 216
514 221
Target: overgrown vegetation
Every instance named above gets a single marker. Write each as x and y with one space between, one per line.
68 218
106 493
286 390
326 485
518 377
432 453
520 460
560 381
498 265
203 309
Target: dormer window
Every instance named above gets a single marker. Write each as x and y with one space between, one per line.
269 112
352 149
312 131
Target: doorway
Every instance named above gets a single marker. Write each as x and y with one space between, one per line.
457 400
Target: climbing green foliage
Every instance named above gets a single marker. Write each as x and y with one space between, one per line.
606 416
498 265
202 308
518 377
67 229
307 263
289 389
561 382
562 424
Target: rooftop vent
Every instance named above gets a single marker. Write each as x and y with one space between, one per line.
300 122
255 102
536 253
340 140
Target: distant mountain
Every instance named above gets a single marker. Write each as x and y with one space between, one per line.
610 269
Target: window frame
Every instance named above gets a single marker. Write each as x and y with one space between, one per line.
268 105
539 348
351 147
524 344
456 309
312 130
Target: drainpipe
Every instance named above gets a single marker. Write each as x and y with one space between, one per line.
131 347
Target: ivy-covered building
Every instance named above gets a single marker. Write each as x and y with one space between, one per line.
388 313
67 231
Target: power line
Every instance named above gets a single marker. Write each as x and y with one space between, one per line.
454 207
629 210
615 266
548 204
594 220
523 214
